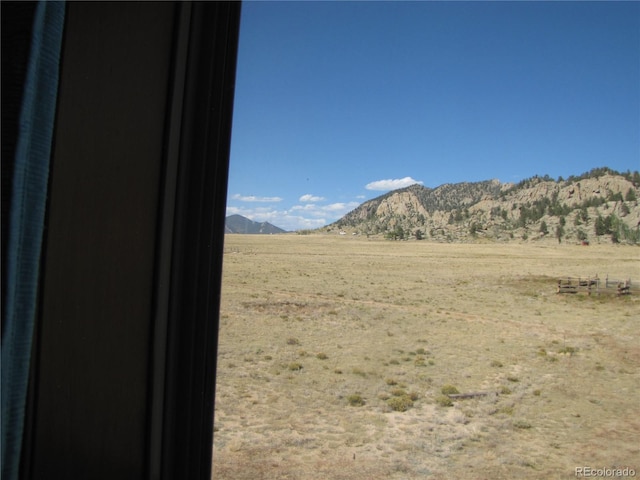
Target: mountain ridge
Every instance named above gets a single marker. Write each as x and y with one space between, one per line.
599 205
239 224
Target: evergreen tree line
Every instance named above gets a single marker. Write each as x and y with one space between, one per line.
619 231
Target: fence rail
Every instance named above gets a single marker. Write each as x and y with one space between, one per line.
596 285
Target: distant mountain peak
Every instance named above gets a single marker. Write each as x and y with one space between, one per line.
239 224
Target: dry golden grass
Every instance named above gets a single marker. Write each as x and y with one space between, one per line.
319 335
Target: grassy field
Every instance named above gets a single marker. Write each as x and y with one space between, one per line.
335 351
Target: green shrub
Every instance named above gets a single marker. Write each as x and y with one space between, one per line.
521 424
295 366
444 401
449 390
419 361
506 410
355 400
398 392
569 350
400 404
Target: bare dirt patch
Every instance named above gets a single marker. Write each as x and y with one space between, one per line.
323 339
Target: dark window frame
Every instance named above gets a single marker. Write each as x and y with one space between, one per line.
185 279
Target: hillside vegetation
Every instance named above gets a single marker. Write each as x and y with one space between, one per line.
598 206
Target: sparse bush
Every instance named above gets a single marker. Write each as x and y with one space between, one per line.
537 393
521 424
391 381
355 400
444 401
496 363
568 350
295 366
505 390
449 390
513 379
421 351
322 356
359 371
398 392
507 410
293 341
419 362
400 404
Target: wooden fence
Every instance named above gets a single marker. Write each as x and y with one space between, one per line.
596 285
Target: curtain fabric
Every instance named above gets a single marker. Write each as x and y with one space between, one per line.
26 223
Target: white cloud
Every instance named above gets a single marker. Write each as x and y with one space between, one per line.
310 198
253 198
289 220
298 217
341 207
391 184
334 210
309 207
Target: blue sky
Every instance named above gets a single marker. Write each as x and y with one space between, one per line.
338 102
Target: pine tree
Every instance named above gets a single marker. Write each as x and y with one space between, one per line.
543 228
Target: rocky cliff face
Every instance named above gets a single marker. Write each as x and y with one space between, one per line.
599 206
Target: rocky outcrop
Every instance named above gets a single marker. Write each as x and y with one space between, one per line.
600 206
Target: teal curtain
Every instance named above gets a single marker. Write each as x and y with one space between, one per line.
26 223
